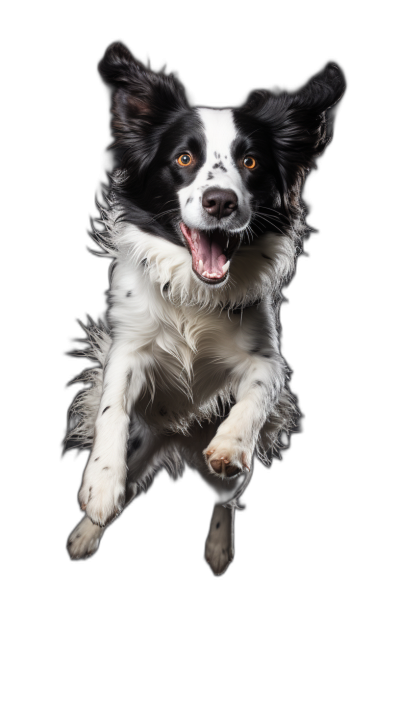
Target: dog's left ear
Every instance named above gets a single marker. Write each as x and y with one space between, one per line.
299 124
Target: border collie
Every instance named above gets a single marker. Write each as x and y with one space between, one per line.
203 221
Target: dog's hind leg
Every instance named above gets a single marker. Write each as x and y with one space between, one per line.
148 455
220 543
84 539
219 548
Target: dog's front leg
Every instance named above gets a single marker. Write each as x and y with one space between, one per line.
256 388
102 494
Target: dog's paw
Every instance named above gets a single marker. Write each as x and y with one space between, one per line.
219 551
102 494
227 456
84 539
219 556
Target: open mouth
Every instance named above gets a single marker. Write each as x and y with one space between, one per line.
211 252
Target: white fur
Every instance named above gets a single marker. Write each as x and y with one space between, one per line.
220 133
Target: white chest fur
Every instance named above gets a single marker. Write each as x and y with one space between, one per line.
192 356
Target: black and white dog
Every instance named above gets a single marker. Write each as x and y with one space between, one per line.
204 221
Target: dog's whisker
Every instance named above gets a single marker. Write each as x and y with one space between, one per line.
269 221
264 226
266 214
273 210
163 213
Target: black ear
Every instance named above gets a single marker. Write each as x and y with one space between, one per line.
300 124
141 98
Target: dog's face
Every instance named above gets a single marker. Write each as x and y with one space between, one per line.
201 171
212 179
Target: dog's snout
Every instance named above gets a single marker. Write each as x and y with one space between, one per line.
220 202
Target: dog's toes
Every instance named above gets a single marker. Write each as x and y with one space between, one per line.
217 465
232 470
222 466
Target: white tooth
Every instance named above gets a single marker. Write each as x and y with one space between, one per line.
226 267
201 266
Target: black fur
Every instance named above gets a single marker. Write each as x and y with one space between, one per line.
285 132
152 123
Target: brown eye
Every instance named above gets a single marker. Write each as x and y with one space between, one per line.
184 160
249 162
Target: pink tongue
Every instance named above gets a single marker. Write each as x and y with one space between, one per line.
211 254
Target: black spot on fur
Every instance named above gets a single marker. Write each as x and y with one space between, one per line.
104 410
129 293
166 287
210 176
106 468
220 165
97 458
258 383
218 525
190 199
143 262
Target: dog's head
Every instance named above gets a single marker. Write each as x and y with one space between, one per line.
211 179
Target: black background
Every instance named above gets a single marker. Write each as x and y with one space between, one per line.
298 541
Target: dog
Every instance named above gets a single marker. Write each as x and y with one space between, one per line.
203 220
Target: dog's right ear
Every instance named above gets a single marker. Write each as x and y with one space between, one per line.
142 99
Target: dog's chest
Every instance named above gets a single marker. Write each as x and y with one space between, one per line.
192 360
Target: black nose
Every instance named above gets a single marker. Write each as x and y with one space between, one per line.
220 202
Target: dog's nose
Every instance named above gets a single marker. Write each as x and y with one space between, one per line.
220 202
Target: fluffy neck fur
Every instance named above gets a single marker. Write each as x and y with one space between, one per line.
259 269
